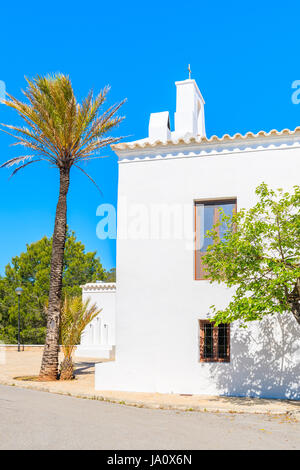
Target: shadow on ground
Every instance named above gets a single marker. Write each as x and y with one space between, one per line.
85 367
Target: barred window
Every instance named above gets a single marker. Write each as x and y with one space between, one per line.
214 342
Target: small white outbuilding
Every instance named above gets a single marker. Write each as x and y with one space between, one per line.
98 338
170 186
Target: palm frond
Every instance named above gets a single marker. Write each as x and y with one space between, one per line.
15 161
86 174
58 128
23 166
76 315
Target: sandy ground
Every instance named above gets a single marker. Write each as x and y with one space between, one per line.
14 364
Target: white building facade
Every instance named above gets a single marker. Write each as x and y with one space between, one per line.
161 301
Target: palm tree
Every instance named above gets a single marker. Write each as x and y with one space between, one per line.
64 133
75 316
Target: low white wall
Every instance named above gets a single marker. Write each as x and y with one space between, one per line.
24 347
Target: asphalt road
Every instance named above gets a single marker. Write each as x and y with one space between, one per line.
40 420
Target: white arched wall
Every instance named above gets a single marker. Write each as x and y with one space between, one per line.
98 338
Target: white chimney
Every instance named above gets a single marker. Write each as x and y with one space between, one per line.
159 127
189 116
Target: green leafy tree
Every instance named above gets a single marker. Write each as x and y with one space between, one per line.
110 276
64 133
259 255
31 270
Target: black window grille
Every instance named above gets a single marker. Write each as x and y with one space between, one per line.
214 342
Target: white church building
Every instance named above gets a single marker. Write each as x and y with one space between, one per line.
170 186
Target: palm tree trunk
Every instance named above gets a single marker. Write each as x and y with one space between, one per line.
49 367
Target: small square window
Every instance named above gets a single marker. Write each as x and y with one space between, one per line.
214 342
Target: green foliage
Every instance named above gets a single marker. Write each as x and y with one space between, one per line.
259 256
75 316
57 128
31 271
110 276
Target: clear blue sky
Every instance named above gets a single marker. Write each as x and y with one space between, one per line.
244 57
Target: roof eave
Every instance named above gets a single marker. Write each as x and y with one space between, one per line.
126 148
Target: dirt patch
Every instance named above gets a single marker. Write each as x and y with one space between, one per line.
33 378
38 378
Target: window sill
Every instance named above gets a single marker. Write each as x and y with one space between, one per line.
213 360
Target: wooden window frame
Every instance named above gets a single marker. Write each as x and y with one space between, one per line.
201 276
215 357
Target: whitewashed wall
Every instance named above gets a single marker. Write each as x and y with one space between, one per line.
158 301
98 338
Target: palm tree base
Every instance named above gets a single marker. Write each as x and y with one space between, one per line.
47 378
67 369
